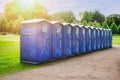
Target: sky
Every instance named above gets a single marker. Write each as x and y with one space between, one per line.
106 7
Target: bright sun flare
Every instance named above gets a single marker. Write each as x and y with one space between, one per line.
26 4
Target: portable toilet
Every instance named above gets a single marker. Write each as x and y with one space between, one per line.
110 38
35 41
57 40
101 38
107 38
88 39
103 34
97 39
104 38
75 39
67 40
93 39
82 39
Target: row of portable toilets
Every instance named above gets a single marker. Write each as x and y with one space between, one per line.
42 40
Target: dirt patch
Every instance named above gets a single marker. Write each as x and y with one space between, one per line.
100 65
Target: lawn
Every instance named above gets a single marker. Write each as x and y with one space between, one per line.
116 39
10 55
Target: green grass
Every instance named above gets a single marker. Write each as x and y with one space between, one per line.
10 55
116 39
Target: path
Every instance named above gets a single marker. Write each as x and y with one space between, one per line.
100 65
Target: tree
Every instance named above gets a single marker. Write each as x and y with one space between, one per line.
3 23
28 9
105 25
84 23
86 16
97 25
95 16
67 16
113 18
114 28
119 29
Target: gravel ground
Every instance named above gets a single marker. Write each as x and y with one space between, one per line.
100 65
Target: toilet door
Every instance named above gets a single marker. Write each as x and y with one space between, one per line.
44 42
58 41
28 43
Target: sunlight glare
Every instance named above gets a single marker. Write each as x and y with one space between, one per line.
26 4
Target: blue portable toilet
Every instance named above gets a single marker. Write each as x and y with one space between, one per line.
57 40
35 41
104 38
101 38
82 39
67 48
97 39
93 39
75 39
110 38
107 38
88 39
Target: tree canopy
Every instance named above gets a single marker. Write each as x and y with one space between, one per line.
113 18
114 28
94 16
119 29
28 9
66 16
105 25
19 10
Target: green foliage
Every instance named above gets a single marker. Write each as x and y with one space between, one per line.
114 28
3 23
11 26
97 25
105 25
84 23
75 22
119 29
113 18
17 11
15 8
86 16
67 16
16 24
95 16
